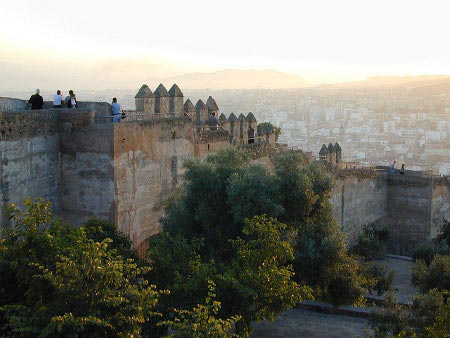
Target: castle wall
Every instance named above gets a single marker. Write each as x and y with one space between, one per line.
358 201
176 104
29 152
11 104
148 158
409 211
87 173
162 105
440 205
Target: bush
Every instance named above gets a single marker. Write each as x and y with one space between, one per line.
425 252
372 243
56 281
382 279
436 275
426 317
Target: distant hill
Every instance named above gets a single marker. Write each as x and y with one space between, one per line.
397 81
238 79
435 89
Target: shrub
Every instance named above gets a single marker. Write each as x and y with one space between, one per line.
435 275
382 279
372 243
425 252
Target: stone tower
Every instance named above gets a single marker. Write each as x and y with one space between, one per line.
202 111
190 110
212 106
175 99
161 100
145 100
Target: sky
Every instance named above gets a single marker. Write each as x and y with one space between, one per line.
322 41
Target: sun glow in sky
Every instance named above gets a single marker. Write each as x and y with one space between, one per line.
323 41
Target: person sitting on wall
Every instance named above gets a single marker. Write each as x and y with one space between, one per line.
251 134
213 122
72 103
402 170
67 99
36 100
115 108
57 99
393 170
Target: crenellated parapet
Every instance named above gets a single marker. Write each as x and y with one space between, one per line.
160 101
331 153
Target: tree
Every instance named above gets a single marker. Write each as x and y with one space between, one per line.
202 321
220 192
255 283
66 283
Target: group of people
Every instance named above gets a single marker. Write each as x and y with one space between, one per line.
37 102
394 169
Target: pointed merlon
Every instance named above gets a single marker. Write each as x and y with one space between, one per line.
188 106
211 104
232 118
144 92
337 147
161 91
324 150
242 117
251 117
175 91
223 119
200 105
330 148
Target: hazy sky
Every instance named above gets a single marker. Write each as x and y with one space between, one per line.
319 40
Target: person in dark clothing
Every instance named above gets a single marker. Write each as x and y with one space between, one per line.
213 122
251 134
36 100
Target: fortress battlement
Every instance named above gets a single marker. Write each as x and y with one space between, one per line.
89 167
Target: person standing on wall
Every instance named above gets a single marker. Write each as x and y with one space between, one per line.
115 109
213 122
57 99
36 100
251 134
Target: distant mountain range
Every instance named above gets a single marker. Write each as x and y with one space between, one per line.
129 75
397 81
238 79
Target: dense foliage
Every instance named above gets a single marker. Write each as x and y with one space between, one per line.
57 281
435 275
426 317
205 231
372 243
255 282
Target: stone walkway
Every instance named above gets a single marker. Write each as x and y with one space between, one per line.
305 323
402 278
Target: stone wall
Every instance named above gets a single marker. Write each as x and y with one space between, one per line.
359 200
87 173
409 211
148 158
440 205
11 104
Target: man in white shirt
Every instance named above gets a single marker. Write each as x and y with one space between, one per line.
57 99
